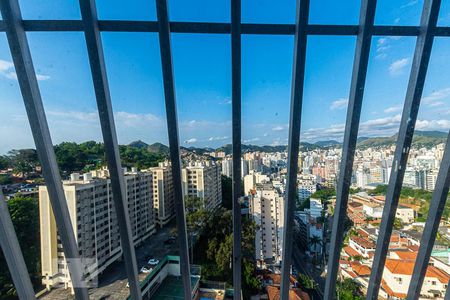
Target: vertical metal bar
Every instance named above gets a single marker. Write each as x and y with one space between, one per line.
29 88
236 51
174 140
411 107
13 255
298 79
360 62
447 293
437 205
103 97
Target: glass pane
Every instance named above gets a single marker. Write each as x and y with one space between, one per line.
50 9
267 11
199 11
335 12
403 12
139 10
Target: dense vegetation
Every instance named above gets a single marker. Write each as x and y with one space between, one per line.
418 197
213 250
73 157
426 139
25 217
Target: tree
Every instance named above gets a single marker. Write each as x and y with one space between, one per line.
306 283
4 162
398 224
314 242
23 161
25 218
324 194
5 179
347 289
304 204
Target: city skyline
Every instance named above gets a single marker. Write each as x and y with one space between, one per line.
203 77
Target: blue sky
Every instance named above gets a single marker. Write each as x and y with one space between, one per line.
203 75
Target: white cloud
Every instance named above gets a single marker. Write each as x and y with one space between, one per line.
7 71
218 138
410 3
278 128
5 65
190 141
252 140
434 98
393 109
339 103
397 66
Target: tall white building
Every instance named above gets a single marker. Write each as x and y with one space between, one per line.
203 179
163 196
93 216
227 167
267 209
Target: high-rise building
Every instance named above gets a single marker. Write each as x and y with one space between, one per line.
267 210
203 180
92 212
163 196
227 167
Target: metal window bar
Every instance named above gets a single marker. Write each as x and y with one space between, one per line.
104 105
361 60
16 29
13 254
414 91
437 205
23 63
236 143
298 79
174 140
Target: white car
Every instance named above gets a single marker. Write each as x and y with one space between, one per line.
146 270
153 262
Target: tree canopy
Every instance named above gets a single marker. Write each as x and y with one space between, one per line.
24 213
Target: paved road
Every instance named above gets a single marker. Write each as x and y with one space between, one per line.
301 264
112 283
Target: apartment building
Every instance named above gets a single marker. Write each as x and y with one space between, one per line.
163 196
397 277
94 221
267 209
203 179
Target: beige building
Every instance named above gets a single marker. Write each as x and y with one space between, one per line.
163 196
94 221
267 210
203 179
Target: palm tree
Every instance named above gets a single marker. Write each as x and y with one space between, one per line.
314 242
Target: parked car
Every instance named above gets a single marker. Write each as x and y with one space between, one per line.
146 269
153 262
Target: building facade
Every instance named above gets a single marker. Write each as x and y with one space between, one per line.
94 221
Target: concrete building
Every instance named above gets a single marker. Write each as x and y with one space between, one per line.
306 186
267 209
397 277
203 180
93 216
163 196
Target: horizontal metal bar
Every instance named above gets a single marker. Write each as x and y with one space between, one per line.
436 209
223 28
13 254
